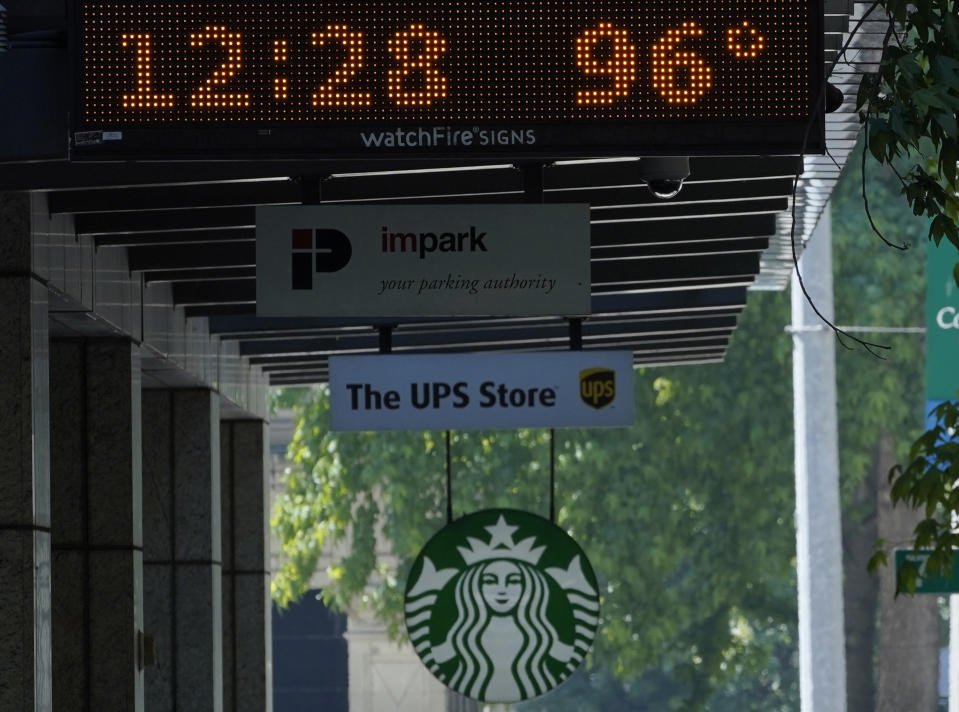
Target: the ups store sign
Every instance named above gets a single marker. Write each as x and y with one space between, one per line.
457 391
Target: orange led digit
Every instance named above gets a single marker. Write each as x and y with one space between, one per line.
207 96
352 42
620 64
448 77
667 61
144 97
433 83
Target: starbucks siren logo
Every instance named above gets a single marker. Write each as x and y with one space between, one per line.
501 605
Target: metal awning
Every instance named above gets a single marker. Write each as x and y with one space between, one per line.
669 277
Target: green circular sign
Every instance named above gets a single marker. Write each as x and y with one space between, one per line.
501 605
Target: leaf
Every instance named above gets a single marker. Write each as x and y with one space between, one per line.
906 578
946 69
878 559
948 158
924 98
947 121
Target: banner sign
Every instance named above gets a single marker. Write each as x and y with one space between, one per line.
424 260
481 390
501 605
942 324
925 582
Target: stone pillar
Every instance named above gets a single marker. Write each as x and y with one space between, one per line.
97 533
247 674
822 655
25 637
182 566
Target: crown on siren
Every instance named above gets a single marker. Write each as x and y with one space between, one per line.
501 546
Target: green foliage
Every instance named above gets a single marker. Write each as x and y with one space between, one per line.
928 483
881 287
687 518
910 104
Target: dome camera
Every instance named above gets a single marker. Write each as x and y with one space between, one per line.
664 175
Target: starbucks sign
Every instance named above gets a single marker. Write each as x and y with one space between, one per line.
501 605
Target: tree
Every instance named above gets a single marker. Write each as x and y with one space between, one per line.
687 518
880 412
909 108
699 495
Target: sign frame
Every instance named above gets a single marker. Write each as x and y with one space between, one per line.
942 324
482 390
155 140
440 260
484 587
938 585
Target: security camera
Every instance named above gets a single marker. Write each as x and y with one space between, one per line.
664 175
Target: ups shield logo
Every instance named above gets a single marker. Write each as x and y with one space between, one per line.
597 387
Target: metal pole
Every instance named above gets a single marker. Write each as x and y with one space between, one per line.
449 482
822 659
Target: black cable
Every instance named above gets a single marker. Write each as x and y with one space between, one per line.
449 482
552 475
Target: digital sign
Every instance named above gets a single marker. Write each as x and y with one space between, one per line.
447 77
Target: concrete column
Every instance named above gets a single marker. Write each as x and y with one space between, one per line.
247 674
822 658
25 582
97 533
182 565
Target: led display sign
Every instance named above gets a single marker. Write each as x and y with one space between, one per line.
453 77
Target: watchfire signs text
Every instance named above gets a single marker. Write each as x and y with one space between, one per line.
505 390
501 605
433 260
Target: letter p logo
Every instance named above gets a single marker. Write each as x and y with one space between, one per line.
319 250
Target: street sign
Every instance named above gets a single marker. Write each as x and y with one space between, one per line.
942 324
423 260
926 583
482 390
194 78
501 605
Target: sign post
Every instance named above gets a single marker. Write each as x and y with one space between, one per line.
925 582
942 325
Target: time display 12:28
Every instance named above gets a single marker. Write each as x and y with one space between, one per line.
292 61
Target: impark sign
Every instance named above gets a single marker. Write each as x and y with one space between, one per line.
501 605
422 260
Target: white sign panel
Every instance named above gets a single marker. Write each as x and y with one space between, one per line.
482 390
423 260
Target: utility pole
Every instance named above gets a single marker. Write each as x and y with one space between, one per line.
822 659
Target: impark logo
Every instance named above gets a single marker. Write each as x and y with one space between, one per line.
501 605
317 250
597 387
948 318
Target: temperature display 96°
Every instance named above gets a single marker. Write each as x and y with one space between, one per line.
450 76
